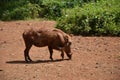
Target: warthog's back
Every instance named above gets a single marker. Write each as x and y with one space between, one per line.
45 37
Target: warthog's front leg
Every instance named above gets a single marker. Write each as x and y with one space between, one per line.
51 52
62 54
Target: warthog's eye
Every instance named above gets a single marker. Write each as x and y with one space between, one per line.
70 43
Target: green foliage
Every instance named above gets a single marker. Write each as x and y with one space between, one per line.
84 17
101 18
51 9
26 11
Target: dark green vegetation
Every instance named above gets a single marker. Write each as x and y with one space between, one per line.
84 17
93 18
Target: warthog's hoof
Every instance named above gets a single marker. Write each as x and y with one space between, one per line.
28 61
70 57
51 58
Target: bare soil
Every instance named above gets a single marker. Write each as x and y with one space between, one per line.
94 58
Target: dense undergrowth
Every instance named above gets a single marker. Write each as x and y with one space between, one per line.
100 18
79 17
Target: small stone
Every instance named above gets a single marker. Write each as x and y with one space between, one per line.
1 29
108 57
29 24
34 77
4 42
91 74
111 72
60 65
105 49
118 68
97 63
96 67
76 48
96 54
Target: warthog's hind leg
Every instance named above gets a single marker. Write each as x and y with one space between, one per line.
26 53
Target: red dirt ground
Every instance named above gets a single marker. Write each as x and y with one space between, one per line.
94 58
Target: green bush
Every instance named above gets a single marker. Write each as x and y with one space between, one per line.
84 17
51 9
101 18
24 9
21 13
7 6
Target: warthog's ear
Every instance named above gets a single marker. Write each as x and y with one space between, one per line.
68 40
68 43
71 35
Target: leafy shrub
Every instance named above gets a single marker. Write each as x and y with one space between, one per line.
21 13
7 6
85 17
50 9
27 11
101 18
22 9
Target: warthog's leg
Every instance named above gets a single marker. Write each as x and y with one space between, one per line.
69 56
51 52
26 53
62 54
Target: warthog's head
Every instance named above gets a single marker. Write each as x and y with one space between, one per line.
67 47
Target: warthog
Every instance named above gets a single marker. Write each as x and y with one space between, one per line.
53 38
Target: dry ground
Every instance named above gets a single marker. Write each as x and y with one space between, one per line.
94 58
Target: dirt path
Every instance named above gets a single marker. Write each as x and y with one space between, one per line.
94 58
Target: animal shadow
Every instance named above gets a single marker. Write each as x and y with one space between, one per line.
35 62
